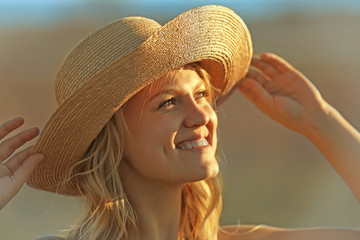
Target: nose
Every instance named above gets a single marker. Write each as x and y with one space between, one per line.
197 114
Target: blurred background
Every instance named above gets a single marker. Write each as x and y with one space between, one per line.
272 176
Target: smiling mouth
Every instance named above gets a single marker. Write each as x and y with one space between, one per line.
193 144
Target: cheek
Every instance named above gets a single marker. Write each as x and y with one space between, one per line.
214 119
213 122
148 148
158 131
150 139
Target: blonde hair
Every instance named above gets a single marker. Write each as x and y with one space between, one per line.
110 214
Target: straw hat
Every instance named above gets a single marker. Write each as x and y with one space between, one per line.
116 61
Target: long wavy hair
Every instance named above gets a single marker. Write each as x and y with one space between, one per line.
110 214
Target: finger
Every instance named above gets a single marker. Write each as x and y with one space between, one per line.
10 125
280 64
15 161
264 67
257 76
267 83
10 145
24 170
256 94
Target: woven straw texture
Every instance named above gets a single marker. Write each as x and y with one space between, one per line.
119 59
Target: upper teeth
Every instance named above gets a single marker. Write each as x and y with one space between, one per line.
193 144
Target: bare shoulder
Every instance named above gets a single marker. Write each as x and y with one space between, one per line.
247 232
262 232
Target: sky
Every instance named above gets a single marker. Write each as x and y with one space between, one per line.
25 12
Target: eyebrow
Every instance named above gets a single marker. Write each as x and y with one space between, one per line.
172 91
168 91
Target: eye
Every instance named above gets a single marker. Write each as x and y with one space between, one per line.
202 94
168 103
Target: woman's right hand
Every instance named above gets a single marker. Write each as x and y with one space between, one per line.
14 170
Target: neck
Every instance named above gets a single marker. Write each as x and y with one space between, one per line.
158 208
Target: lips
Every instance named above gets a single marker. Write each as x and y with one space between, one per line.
191 144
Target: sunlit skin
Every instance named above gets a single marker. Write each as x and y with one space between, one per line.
164 120
15 168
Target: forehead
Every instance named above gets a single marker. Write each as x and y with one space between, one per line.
176 80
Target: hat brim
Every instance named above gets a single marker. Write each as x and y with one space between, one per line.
215 36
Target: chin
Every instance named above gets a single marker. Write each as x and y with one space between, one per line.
210 170
213 171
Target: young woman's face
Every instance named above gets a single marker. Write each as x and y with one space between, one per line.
172 131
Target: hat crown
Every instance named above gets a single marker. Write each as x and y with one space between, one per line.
102 47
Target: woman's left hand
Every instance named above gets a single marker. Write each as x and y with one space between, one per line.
282 92
287 96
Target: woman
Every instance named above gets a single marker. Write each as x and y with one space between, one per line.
135 131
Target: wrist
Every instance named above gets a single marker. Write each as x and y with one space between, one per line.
319 122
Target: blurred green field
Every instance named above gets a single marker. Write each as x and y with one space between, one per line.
272 176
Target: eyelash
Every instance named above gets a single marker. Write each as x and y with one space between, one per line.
172 101
203 94
167 102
